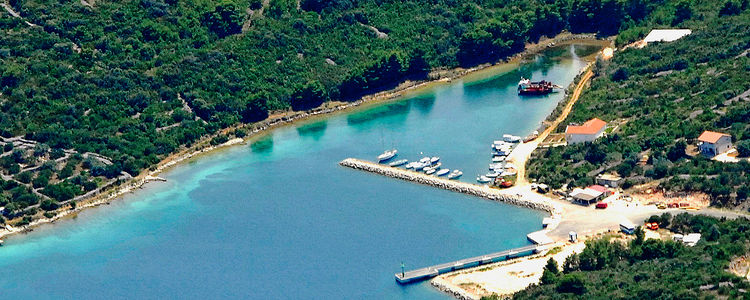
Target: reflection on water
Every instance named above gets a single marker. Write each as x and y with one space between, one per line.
397 111
263 145
424 103
314 130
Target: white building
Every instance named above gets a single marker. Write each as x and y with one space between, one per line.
714 143
588 132
666 35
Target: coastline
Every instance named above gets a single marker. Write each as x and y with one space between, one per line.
280 119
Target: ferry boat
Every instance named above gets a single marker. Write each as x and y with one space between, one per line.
398 162
527 87
442 172
388 154
455 174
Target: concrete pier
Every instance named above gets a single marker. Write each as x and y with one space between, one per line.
432 271
452 185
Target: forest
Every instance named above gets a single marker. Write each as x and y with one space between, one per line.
658 100
135 81
641 268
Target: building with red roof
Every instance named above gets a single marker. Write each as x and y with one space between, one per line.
713 143
587 132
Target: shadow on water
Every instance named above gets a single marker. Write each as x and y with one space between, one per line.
314 130
397 113
263 145
424 103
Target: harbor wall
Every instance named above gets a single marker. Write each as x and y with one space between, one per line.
443 183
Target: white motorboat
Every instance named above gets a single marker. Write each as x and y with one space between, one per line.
434 160
398 162
442 172
455 174
388 154
411 165
492 174
497 166
419 166
425 160
429 171
498 159
437 165
483 179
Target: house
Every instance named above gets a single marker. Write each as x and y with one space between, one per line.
605 191
588 132
610 180
714 143
588 195
666 35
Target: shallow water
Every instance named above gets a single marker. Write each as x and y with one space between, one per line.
280 219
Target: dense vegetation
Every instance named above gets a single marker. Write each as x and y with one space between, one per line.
137 80
658 100
653 269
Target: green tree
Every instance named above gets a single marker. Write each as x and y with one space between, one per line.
743 148
683 11
571 283
226 19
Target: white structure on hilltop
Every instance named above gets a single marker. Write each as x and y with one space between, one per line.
588 132
666 35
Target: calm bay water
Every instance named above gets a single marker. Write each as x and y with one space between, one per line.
280 219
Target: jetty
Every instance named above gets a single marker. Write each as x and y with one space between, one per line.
432 271
452 185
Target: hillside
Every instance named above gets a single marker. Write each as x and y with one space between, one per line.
133 81
658 100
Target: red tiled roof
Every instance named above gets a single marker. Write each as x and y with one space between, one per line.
599 188
590 127
711 136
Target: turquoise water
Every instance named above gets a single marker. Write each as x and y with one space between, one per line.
280 219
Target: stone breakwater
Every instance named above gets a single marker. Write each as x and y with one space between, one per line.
452 185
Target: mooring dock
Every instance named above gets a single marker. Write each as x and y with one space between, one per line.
432 271
452 185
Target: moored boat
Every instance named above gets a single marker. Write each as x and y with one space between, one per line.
429 171
434 160
388 154
442 172
483 179
455 174
398 162
528 87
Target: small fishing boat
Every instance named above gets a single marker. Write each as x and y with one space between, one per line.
425 160
430 171
498 166
443 172
411 165
434 160
492 174
498 159
455 174
437 165
483 179
398 162
419 166
388 154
